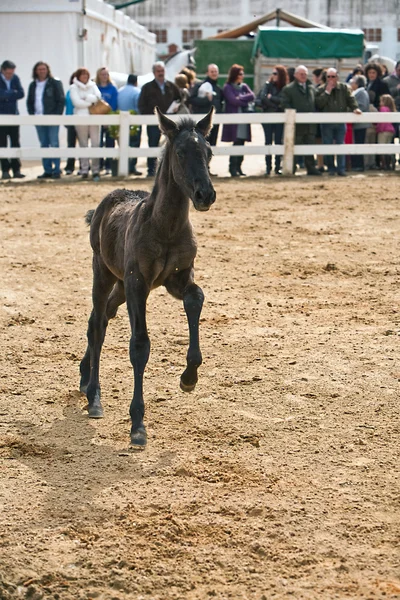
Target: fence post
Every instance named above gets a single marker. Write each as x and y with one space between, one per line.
288 141
123 167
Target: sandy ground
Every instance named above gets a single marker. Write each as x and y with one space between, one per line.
278 477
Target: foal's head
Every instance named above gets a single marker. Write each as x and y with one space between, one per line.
188 154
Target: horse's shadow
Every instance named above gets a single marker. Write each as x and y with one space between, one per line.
73 475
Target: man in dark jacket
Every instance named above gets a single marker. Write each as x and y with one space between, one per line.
10 91
161 93
335 97
300 95
46 97
202 102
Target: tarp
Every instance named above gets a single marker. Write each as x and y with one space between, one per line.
312 43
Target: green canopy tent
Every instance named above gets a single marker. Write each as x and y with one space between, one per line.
311 43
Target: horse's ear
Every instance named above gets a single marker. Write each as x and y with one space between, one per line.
205 125
167 127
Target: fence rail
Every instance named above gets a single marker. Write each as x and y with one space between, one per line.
124 152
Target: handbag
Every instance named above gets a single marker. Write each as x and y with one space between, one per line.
101 107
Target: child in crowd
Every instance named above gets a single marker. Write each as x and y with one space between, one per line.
385 131
181 81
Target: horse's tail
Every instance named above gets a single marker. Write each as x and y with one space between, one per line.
89 216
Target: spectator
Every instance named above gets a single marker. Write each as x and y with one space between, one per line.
358 70
385 71
393 83
46 97
10 92
370 160
335 97
358 84
84 93
71 131
161 93
190 73
270 100
237 97
202 103
319 78
385 131
128 99
109 93
291 72
300 95
181 81
373 73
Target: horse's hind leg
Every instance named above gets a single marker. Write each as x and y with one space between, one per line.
103 281
115 299
182 286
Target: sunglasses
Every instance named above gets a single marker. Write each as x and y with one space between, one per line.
331 76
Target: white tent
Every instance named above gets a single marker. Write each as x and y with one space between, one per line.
69 34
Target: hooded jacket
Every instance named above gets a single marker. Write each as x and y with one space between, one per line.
83 95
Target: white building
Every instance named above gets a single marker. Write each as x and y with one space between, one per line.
69 34
181 21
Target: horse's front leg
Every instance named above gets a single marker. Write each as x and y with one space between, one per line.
137 291
182 286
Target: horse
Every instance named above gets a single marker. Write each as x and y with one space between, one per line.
141 241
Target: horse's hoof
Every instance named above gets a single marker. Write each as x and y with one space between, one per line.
139 439
83 389
95 412
187 388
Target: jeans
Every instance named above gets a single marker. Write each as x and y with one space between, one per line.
357 160
106 141
334 132
273 131
48 138
12 132
134 142
71 143
153 136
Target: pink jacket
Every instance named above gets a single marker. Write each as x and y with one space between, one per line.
382 127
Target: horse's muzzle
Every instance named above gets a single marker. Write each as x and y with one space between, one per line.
203 199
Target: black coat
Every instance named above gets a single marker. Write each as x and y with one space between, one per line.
203 105
379 87
151 96
273 104
53 97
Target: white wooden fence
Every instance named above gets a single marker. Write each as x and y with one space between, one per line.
123 152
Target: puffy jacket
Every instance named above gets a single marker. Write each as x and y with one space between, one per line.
53 97
8 98
83 95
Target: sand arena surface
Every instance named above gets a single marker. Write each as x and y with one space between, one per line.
278 476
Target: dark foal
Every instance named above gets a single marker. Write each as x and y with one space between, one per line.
141 241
